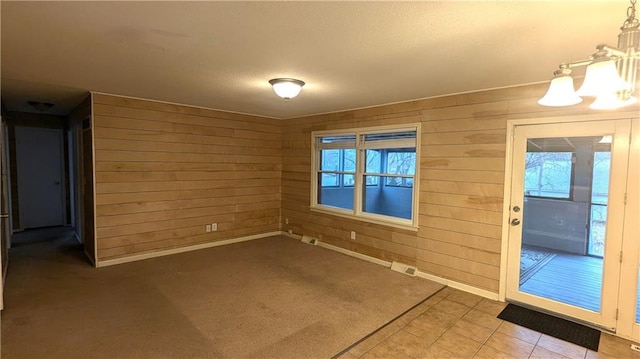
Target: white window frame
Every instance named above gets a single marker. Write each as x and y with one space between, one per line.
361 147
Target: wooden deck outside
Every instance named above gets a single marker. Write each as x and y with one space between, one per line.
571 279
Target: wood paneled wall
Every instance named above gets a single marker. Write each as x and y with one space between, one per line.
164 171
461 181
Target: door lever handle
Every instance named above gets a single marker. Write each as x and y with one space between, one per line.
515 222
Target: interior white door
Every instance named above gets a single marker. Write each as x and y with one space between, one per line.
40 177
560 204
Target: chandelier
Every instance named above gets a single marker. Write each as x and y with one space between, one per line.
610 76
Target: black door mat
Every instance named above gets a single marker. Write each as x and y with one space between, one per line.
556 327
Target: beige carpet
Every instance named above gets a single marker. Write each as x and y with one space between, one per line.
272 297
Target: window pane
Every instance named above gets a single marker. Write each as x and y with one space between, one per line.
401 162
373 161
329 179
386 200
601 166
330 160
597 230
548 174
348 180
349 160
340 197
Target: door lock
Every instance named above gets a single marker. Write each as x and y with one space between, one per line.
516 209
515 222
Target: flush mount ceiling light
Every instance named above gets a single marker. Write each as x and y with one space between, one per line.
610 76
286 88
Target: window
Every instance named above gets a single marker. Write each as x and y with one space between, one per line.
548 174
367 173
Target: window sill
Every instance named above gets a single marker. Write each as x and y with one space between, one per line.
348 215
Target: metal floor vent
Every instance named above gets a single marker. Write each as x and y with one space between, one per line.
404 269
309 240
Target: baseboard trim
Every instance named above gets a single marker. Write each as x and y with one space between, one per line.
354 254
196 247
291 235
453 284
461 286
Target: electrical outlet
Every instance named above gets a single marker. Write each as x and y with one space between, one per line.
353 235
286 221
214 227
635 347
207 228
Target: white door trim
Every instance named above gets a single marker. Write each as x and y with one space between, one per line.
627 326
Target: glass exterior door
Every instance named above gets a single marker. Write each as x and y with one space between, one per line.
565 231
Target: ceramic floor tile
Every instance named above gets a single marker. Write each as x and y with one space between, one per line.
487 352
458 344
372 341
423 307
522 333
490 306
453 308
600 355
455 324
472 331
444 292
468 299
567 349
437 352
426 329
482 318
616 347
511 345
381 352
404 343
542 353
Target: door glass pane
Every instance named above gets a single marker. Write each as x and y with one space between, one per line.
599 198
564 219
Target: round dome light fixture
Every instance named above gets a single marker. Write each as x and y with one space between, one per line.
286 88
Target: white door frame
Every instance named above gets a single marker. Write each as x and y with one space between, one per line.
627 325
509 156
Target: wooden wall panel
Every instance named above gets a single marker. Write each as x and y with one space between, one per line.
164 171
463 144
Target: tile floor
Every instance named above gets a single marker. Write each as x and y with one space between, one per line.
456 324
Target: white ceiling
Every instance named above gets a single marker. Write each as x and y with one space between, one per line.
351 54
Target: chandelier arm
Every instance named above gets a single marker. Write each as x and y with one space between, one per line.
577 63
614 51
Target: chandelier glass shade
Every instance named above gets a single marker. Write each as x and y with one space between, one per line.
611 73
561 91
